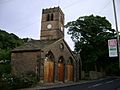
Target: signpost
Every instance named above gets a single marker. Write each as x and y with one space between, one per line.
112 46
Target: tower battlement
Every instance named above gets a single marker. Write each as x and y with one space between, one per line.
49 10
52 24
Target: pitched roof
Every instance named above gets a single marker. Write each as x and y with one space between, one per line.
70 50
34 45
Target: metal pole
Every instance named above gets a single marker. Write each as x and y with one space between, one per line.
118 42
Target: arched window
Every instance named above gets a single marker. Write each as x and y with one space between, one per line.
49 56
61 60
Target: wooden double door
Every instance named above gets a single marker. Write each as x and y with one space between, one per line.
61 72
70 72
48 71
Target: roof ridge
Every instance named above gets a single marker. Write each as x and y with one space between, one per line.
35 44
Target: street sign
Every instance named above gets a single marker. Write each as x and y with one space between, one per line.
112 46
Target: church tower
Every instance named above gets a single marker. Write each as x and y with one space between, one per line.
52 24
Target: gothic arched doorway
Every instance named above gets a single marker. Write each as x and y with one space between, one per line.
49 67
70 69
61 69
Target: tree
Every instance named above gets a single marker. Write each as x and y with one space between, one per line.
90 35
8 41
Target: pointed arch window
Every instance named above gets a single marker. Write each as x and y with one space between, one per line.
61 59
49 56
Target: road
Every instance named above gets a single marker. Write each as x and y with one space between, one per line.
111 83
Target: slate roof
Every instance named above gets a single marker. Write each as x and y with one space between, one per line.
37 45
34 45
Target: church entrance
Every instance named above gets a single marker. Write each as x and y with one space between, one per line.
48 71
70 70
61 69
49 67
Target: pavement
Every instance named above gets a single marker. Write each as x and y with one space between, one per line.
54 85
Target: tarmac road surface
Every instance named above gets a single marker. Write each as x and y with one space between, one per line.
111 83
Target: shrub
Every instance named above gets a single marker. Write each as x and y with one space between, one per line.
12 82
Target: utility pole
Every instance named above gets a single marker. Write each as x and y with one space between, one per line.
118 42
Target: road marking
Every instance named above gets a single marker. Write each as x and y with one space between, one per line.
110 81
99 84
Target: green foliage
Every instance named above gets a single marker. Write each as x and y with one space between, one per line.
11 82
5 68
88 27
91 34
5 54
9 41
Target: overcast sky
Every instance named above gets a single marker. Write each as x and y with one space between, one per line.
23 17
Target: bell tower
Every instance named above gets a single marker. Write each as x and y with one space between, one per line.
52 24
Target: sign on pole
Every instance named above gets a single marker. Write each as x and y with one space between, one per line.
112 46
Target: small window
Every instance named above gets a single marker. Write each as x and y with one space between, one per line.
51 17
48 17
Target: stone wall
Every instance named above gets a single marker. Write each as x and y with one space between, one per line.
58 51
92 75
24 62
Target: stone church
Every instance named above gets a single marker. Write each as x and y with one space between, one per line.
49 58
